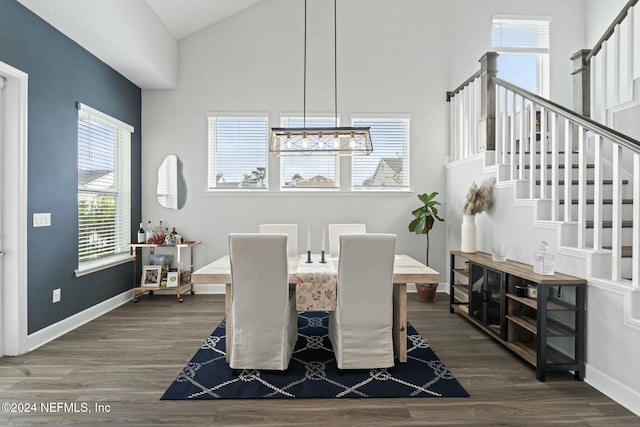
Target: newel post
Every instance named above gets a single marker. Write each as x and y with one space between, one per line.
581 82
487 122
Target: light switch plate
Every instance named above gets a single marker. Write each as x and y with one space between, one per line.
56 295
41 219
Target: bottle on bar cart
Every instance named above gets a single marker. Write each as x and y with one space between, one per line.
149 233
141 234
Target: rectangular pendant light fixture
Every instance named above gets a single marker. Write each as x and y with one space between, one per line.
321 141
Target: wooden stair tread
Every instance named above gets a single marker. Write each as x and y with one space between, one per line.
560 166
548 152
589 182
626 251
604 201
609 224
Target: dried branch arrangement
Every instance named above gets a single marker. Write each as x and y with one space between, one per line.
479 199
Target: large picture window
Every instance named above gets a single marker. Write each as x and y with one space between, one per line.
238 152
309 172
104 188
387 168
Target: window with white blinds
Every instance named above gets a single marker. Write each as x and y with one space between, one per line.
387 168
523 45
520 35
104 187
238 151
309 172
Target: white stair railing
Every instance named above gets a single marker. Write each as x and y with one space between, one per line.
615 63
560 153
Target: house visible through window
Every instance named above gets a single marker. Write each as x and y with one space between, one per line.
238 152
523 45
387 168
104 187
309 172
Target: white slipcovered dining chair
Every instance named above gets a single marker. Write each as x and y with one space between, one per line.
360 329
335 230
291 230
264 327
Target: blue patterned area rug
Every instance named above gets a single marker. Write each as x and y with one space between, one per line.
313 372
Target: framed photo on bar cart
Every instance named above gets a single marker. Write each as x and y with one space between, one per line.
172 279
151 275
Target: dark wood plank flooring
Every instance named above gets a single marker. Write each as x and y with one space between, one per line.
127 358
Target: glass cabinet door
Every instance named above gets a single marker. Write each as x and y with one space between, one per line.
487 298
476 292
563 323
495 301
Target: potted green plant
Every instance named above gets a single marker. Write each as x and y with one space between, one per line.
425 216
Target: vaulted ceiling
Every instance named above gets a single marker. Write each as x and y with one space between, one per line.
185 17
138 38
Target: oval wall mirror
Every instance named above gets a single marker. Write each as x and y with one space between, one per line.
171 190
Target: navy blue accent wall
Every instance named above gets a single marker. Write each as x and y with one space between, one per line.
62 73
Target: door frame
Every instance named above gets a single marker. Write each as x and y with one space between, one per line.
13 290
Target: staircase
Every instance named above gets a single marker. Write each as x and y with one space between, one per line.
539 146
567 179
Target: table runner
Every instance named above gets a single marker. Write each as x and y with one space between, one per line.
316 284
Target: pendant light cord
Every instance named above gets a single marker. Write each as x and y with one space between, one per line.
335 65
304 93
335 59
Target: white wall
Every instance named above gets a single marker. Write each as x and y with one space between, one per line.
393 57
470 36
253 62
599 15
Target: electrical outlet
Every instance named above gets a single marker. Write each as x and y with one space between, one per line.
56 295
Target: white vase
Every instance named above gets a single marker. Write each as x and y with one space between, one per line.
468 234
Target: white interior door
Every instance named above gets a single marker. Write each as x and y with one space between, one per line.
13 212
2 139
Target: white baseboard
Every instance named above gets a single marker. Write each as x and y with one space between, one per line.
60 328
620 393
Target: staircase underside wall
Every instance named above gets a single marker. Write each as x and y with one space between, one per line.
613 346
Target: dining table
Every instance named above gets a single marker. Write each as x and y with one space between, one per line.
405 270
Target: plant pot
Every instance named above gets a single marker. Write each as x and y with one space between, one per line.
426 292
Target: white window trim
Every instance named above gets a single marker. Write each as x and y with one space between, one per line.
96 114
543 65
240 115
88 267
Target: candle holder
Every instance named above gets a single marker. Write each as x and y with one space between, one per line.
309 257
322 261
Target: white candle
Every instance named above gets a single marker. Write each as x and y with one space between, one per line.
324 227
308 237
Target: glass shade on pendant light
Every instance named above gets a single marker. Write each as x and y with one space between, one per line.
327 141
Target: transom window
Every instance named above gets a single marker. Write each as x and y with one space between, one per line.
387 168
523 45
238 151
